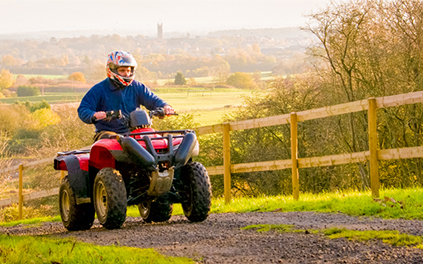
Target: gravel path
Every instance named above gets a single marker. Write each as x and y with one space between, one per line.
219 239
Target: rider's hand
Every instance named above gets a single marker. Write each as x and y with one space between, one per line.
168 110
100 115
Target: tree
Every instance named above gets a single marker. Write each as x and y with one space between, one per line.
21 80
6 79
180 79
221 72
27 91
77 76
241 80
8 60
369 49
256 48
95 71
143 73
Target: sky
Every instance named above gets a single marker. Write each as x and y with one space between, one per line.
26 16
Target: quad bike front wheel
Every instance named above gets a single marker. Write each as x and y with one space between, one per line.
74 217
110 198
197 191
157 211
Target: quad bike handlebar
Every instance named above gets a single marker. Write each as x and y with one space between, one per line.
117 114
114 114
160 113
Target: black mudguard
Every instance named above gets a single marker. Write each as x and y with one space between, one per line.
184 152
78 178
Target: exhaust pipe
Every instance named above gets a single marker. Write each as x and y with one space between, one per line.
137 153
184 152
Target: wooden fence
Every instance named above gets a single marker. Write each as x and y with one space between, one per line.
373 155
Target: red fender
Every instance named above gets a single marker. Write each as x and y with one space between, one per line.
100 156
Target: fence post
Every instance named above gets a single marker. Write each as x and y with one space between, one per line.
374 163
226 163
294 157
20 190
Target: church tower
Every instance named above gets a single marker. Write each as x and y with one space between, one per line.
160 30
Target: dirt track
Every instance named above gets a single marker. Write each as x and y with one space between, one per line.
219 239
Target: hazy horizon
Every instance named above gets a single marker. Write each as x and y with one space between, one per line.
116 17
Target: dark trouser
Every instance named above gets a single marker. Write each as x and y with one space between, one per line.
103 134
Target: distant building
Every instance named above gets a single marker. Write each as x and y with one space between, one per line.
160 30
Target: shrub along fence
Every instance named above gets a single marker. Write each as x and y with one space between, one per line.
373 155
30 196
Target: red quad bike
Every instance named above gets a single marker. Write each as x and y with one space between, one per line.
148 168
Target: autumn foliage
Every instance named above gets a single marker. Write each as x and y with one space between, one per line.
78 77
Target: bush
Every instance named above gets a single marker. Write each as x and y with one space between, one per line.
45 117
34 107
7 93
180 79
11 213
241 80
183 121
27 91
77 76
70 133
13 117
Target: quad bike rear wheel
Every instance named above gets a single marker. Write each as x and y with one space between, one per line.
197 191
74 217
110 198
157 211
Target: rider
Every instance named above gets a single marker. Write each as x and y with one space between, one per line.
117 92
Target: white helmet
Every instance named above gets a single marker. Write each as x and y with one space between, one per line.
118 59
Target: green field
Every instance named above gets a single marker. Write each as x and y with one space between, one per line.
210 117
180 101
29 76
51 98
265 76
207 107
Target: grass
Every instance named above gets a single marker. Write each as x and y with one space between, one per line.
33 221
27 249
391 237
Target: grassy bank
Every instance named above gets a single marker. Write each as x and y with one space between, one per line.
395 203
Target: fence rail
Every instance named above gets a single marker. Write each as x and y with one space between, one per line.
29 196
383 154
373 155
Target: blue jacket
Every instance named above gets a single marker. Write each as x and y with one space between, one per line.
105 96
